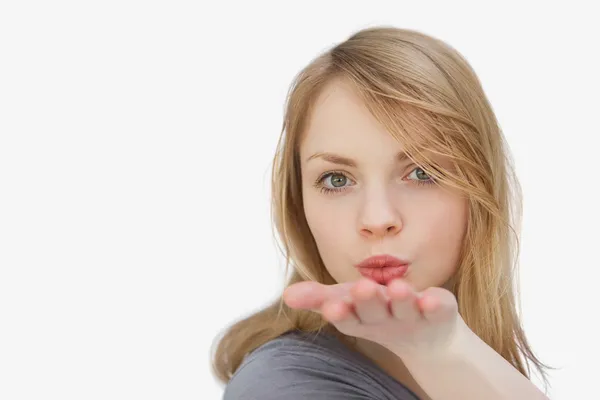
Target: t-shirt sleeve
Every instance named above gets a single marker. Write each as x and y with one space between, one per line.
292 376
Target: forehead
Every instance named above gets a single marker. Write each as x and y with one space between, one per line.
340 121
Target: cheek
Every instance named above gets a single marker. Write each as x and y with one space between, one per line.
332 230
444 228
447 225
327 223
445 215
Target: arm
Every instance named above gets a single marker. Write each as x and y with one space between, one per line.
424 329
470 370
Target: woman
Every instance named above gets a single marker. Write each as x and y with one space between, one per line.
397 207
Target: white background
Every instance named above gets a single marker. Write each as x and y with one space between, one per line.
135 145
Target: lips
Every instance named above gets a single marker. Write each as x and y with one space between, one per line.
383 268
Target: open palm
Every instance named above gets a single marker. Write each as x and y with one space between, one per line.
395 316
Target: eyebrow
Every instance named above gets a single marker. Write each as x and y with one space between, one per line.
341 160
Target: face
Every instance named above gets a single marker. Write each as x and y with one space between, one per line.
364 197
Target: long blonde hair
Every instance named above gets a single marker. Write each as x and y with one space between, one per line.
428 97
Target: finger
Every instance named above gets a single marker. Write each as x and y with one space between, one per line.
438 304
403 303
310 295
341 314
370 302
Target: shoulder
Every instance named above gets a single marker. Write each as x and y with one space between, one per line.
304 366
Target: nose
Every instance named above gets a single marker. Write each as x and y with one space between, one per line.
379 217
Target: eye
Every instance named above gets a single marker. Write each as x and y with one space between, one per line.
337 180
420 176
333 181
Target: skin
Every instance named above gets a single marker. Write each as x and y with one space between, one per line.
411 328
381 207
383 204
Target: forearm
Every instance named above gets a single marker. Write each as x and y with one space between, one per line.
470 370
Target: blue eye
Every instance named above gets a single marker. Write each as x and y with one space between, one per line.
337 182
420 176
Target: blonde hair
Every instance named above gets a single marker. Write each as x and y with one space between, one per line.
428 97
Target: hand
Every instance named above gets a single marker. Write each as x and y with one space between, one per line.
396 316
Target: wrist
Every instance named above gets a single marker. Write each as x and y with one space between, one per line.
456 343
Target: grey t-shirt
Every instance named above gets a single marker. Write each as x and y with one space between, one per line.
298 366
